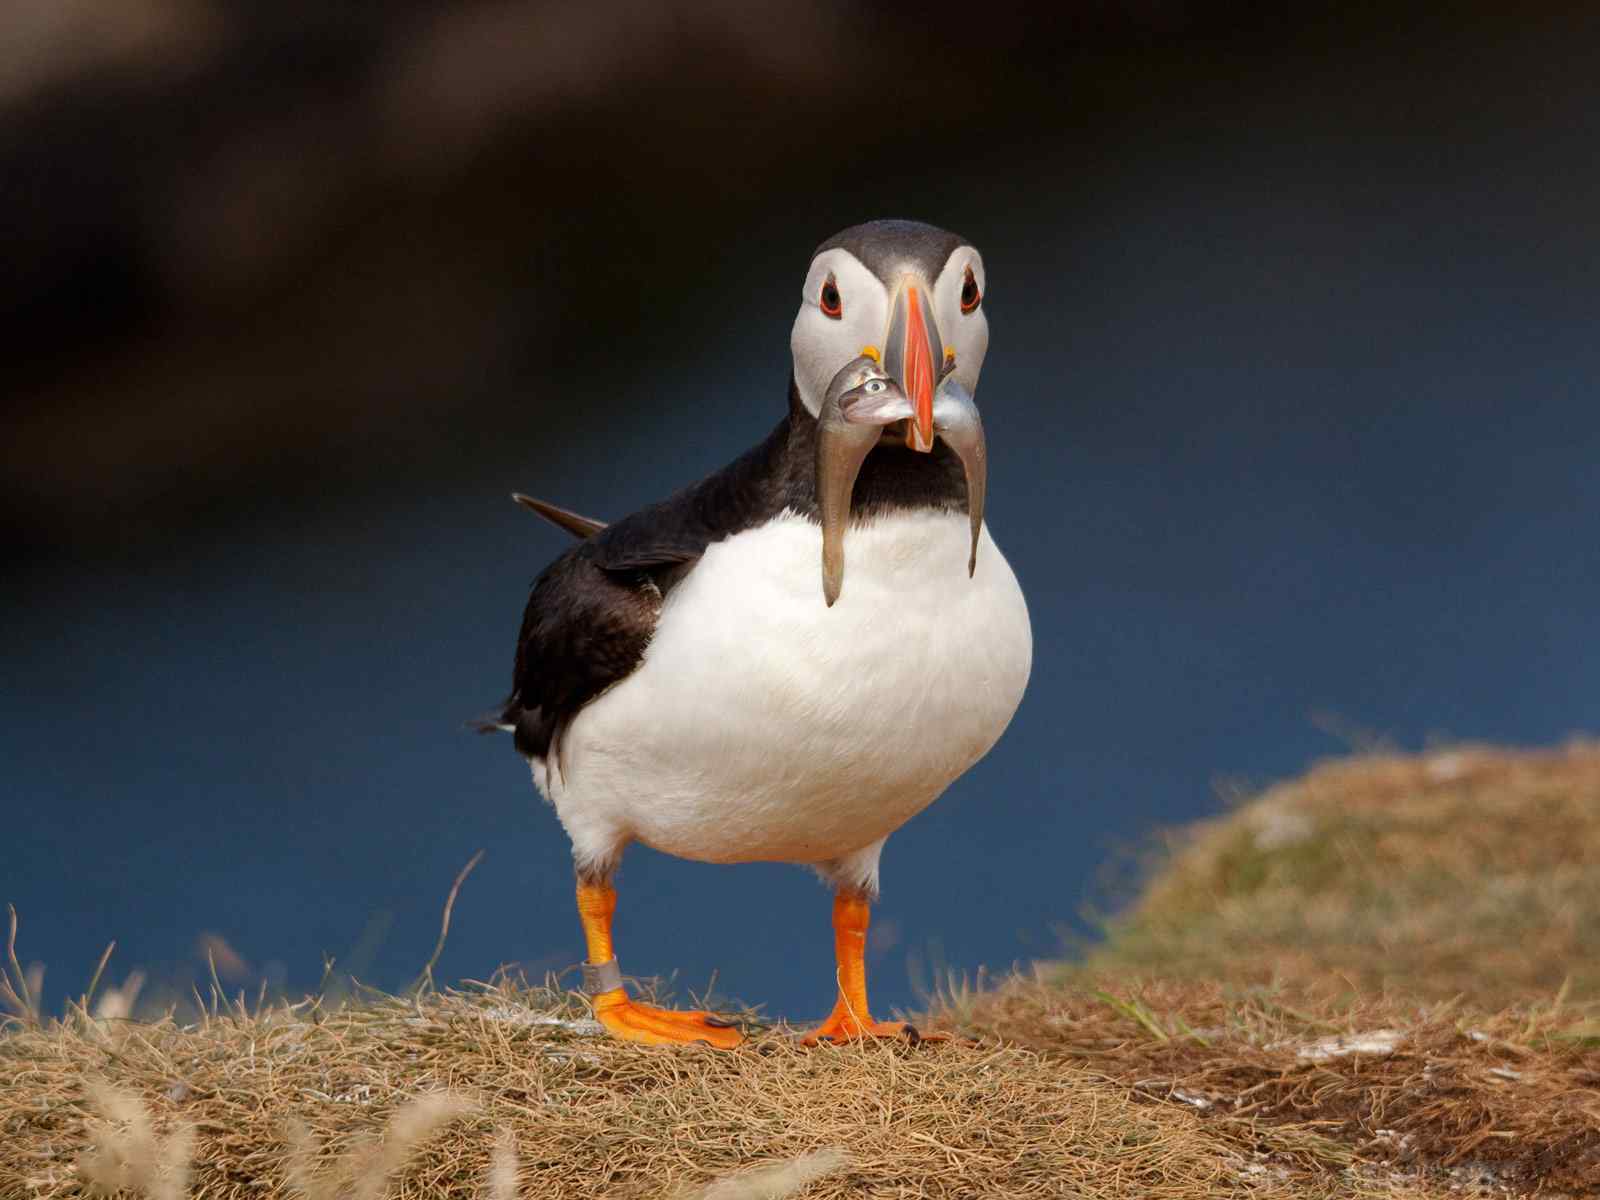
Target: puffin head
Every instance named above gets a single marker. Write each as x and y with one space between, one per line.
887 348
905 294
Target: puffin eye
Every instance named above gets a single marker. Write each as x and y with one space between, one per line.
970 296
832 305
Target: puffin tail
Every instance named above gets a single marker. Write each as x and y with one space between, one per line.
534 731
500 720
578 526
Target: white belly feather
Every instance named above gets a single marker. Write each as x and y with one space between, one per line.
763 725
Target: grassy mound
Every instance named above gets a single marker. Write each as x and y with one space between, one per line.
1468 872
1411 950
1379 980
295 1102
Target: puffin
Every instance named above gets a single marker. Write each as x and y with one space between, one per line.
791 658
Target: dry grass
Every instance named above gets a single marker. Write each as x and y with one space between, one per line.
124 1152
1468 871
1410 950
1444 907
299 1103
1511 1096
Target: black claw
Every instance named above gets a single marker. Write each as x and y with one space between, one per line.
912 1035
720 1022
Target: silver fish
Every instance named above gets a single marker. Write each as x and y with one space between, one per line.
956 420
860 401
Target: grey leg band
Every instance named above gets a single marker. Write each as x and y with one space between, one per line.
601 977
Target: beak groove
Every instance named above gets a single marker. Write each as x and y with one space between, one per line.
913 352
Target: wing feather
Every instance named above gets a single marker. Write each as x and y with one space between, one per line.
592 612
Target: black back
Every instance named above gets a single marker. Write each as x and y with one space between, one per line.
593 610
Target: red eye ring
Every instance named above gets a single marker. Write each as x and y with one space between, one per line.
829 300
971 297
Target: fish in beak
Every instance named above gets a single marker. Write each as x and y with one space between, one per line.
863 398
956 420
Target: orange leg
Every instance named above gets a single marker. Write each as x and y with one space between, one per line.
628 1019
850 1020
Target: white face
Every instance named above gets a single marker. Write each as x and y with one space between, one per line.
834 328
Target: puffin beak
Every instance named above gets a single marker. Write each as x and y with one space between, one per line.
913 353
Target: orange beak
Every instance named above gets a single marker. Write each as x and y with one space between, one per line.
919 376
912 355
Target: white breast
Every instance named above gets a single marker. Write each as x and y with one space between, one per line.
763 725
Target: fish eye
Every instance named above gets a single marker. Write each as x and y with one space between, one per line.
875 386
970 296
831 303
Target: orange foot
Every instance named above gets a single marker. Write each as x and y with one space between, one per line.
844 1027
634 1022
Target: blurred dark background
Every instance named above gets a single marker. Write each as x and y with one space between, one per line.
1291 399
